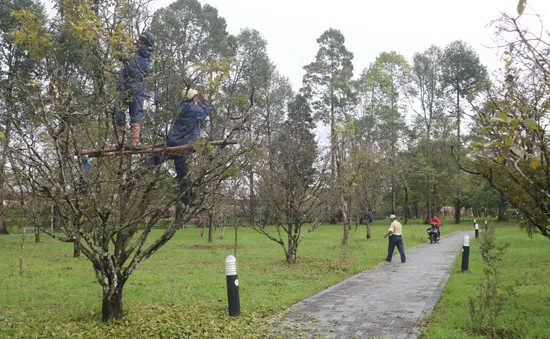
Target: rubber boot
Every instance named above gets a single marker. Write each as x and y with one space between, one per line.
136 135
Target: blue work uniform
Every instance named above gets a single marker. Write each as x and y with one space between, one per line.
186 130
132 89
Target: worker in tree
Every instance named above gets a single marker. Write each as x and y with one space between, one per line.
132 89
186 130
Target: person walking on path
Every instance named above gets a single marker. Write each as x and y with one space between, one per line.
395 233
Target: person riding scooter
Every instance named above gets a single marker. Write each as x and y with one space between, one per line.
435 221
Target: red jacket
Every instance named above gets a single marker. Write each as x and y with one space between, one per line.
435 221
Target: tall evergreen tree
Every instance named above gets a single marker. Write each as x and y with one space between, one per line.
462 71
427 77
327 86
16 67
390 79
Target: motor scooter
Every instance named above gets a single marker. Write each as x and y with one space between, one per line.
433 234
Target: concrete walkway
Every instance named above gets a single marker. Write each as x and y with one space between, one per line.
387 301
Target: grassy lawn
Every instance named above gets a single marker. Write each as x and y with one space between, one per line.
525 267
180 291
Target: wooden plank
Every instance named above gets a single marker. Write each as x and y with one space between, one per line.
111 152
126 147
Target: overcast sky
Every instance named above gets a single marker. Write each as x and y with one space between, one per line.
291 27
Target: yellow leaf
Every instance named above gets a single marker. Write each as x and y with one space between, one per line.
521 6
500 159
535 162
509 141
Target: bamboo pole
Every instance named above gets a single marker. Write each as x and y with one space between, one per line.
110 152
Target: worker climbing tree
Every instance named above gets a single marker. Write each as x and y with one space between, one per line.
132 89
186 130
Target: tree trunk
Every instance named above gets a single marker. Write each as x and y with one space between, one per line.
210 226
393 151
393 197
36 234
457 206
235 246
5 152
429 212
368 229
291 252
3 226
345 221
76 248
112 304
292 244
458 120
252 198
56 219
332 135
76 251
501 210
179 215
457 211
334 206
407 211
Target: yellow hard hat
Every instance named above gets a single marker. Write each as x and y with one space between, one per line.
188 94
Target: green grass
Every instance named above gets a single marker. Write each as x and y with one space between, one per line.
526 268
180 291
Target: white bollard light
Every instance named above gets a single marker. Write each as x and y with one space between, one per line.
232 286
230 265
465 253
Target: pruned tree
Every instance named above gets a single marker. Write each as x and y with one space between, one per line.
109 212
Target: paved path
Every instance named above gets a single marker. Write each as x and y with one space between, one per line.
387 301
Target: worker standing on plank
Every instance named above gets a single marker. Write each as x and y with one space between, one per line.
132 89
187 129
